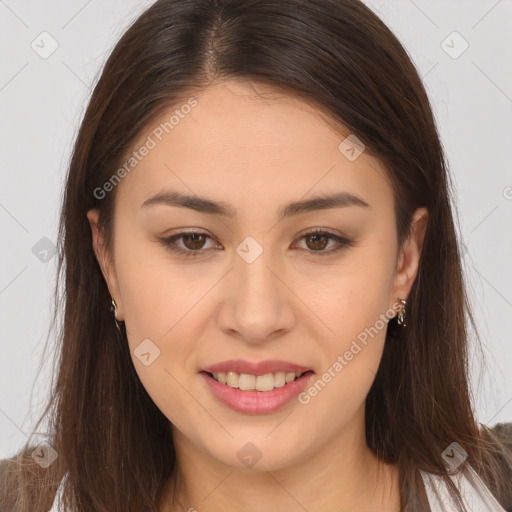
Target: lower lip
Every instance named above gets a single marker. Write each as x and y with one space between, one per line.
257 402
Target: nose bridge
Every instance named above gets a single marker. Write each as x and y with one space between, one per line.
258 305
257 283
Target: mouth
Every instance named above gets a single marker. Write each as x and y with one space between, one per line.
250 382
257 392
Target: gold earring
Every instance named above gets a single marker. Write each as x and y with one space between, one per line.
113 308
401 314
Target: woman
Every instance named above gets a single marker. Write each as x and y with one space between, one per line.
264 302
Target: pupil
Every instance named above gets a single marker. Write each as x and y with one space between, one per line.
316 237
194 241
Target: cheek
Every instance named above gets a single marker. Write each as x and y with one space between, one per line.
355 308
156 292
353 298
158 305
352 358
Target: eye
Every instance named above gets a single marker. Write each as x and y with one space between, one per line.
194 241
318 239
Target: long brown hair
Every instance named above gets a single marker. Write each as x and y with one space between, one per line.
112 440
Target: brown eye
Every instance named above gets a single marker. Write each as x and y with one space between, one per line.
191 243
194 241
318 241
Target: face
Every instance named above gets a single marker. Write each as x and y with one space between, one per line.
237 284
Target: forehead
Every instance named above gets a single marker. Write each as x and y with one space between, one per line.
251 146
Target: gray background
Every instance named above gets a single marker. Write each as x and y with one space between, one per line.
42 99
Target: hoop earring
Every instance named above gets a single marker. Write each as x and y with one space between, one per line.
401 314
113 308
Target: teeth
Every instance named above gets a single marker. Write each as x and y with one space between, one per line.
264 382
247 382
232 380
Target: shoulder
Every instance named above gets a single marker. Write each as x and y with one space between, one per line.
476 496
500 437
57 505
21 476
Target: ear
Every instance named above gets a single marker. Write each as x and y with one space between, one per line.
105 261
409 257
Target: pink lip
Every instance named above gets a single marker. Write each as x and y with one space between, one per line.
261 368
256 402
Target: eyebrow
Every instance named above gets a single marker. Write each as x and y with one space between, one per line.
204 205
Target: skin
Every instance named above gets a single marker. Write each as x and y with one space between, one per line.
290 303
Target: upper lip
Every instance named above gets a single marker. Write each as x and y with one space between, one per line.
253 368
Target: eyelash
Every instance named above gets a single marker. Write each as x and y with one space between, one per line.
170 242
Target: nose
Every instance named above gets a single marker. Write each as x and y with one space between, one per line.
257 303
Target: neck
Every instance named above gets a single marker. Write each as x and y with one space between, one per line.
355 479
